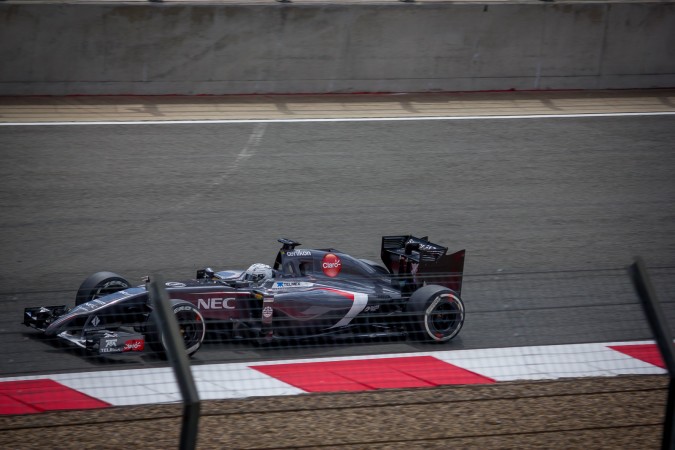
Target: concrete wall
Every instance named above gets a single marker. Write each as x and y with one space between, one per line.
190 48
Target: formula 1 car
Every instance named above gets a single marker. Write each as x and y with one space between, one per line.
306 293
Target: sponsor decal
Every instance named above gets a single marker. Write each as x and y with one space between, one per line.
291 284
422 246
109 334
115 349
134 345
183 308
95 321
267 310
331 265
109 345
299 253
118 345
215 303
85 307
174 284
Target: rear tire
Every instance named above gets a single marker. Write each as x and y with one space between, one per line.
435 314
99 285
190 324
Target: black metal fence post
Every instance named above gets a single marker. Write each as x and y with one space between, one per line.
659 325
175 349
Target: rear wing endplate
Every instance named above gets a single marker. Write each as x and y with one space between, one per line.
417 261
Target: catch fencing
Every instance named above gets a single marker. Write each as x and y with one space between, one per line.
519 327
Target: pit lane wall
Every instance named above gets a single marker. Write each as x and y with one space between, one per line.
189 47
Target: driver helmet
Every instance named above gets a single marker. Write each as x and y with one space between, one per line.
258 273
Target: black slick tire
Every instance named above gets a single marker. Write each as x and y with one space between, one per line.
191 326
435 314
99 285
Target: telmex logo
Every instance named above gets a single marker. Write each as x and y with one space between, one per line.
331 265
215 303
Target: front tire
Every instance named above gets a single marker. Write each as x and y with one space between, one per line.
190 325
98 285
435 314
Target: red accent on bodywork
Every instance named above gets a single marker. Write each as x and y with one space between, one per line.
348 295
331 265
134 345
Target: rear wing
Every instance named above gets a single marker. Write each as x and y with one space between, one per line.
416 262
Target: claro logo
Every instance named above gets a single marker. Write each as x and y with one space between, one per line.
331 265
215 303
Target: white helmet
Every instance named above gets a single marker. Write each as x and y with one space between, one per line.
258 273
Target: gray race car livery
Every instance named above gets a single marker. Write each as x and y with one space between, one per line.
306 293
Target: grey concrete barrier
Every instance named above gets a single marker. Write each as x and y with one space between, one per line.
236 48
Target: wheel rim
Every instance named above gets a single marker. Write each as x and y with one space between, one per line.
192 330
444 317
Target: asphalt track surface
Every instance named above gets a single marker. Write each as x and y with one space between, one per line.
550 210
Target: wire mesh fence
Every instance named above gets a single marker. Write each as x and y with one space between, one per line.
504 327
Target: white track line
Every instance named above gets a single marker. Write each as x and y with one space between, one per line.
345 119
230 169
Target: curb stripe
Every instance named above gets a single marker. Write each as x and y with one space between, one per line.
648 353
368 375
34 394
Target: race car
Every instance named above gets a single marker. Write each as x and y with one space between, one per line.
305 293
